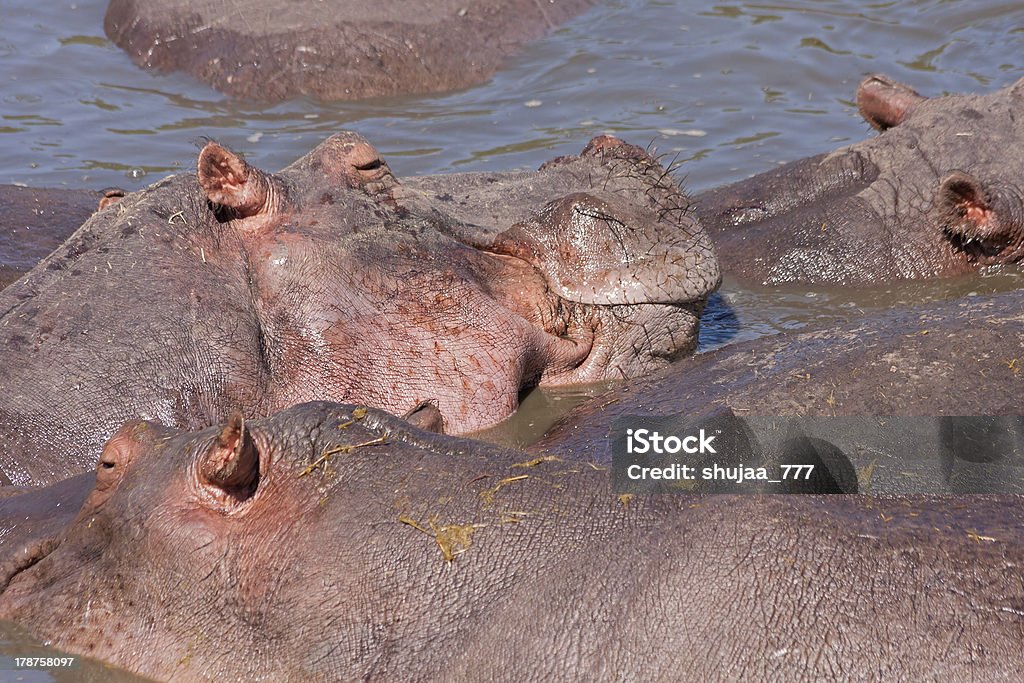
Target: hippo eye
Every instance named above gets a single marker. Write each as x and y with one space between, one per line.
371 165
107 465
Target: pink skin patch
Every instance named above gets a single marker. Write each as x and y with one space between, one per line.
976 214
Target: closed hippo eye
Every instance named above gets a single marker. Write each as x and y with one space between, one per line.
119 452
592 254
350 161
365 158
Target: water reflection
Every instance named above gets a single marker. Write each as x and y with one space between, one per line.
765 82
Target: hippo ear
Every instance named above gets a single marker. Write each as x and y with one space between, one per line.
230 182
884 103
111 195
966 207
231 465
427 416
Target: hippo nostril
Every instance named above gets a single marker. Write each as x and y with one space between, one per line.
107 465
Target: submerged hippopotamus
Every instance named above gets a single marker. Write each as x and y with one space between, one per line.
938 192
266 50
932 363
35 221
238 289
330 543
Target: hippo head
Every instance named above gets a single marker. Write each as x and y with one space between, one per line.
312 541
463 290
959 150
936 193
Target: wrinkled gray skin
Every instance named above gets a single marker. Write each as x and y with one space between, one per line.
35 221
937 193
235 289
208 557
961 357
267 50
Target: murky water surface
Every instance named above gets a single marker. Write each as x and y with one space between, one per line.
16 645
730 88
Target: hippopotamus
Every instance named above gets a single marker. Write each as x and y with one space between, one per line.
35 221
932 363
233 288
331 542
265 50
936 193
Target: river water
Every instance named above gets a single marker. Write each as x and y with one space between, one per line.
729 88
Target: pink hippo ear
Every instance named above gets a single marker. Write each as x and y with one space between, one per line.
966 208
231 465
230 182
885 103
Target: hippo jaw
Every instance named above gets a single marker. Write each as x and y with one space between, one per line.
627 341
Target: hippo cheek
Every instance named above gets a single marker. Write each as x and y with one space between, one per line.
591 253
983 221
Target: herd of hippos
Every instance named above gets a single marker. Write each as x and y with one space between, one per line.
204 477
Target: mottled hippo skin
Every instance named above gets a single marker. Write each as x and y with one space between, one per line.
235 289
962 357
938 192
266 50
35 221
405 555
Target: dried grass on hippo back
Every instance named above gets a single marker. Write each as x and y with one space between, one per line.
206 556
